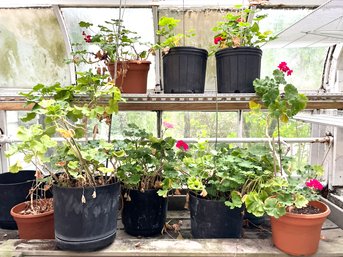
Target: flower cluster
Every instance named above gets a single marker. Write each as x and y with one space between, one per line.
313 183
87 38
182 145
284 68
236 31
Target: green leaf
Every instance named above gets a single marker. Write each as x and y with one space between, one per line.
236 200
300 201
15 168
84 24
274 208
29 116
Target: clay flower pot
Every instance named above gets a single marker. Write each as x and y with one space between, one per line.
299 234
40 226
131 76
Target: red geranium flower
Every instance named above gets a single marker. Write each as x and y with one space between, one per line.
283 67
289 72
240 19
217 39
182 145
314 184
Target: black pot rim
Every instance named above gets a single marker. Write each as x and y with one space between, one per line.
189 48
17 183
85 188
239 49
197 196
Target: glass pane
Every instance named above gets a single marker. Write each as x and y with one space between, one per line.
13 122
32 49
98 16
146 120
306 75
201 124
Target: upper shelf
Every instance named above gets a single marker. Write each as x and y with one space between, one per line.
190 102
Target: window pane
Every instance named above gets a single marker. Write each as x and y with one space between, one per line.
145 120
32 49
201 124
138 20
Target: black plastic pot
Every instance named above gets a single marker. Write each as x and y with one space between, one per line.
85 226
212 219
253 221
145 214
184 70
237 68
14 188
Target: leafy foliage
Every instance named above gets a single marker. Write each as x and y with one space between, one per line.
67 111
116 43
286 188
237 30
227 174
149 162
166 30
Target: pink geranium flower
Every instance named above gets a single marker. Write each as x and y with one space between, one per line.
313 183
167 125
182 145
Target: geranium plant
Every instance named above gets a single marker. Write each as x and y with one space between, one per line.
115 42
149 162
287 189
239 29
226 174
168 38
67 112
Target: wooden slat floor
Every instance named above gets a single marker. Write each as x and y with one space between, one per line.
256 241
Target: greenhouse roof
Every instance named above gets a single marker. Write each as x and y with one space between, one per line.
175 3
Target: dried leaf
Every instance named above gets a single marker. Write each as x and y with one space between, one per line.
187 202
177 192
203 193
83 199
179 237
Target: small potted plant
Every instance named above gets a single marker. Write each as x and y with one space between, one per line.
218 180
238 56
148 170
120 49
290 197
184 67
85 189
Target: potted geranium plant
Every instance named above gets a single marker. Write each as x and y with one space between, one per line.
184 67
85 190
289 197
238 56
217 181
148 170
121 50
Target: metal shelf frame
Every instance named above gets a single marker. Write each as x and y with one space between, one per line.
188 102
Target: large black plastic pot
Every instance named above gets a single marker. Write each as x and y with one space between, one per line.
14 188
237 68
85 226
184 70
145 214
212 219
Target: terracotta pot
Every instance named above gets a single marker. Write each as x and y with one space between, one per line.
131 76
299 234
40 226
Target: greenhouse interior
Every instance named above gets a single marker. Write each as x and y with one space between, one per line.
171 128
